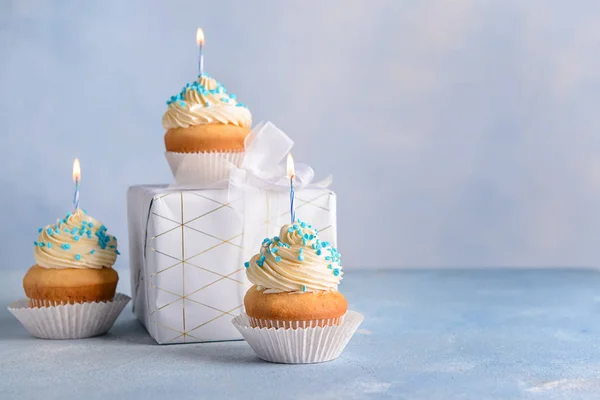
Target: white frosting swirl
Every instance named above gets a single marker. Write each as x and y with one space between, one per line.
205 101
77 241
295 261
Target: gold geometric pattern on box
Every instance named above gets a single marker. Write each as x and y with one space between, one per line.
196 276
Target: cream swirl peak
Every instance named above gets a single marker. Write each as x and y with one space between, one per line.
205 101
295 261
76 241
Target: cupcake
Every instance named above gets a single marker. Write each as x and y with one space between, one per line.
204 120
71 290
296 278
294 312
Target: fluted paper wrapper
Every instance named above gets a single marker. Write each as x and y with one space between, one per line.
202 169
69 321
302 345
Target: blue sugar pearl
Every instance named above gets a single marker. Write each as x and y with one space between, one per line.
306 236
76 238
42 244
336 272
66 246
303 288
259 263
319 252
88 232
303 242
83 222
311 237
90 225
117 252
303 224
327 258
49 244
323 244
277 259
233 96
262 258
290 229
276 238
301 251
275 250
182 103
40 230
301 257
35 243
77 257
74 230
246 264
329 266
92 251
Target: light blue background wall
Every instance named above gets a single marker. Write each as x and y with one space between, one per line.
459 133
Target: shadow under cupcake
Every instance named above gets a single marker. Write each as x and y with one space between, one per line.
294 312
71 291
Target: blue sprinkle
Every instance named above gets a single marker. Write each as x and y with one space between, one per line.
66 246
74 230
327 258
311 236
92 251
276 238
262 259
275 250
301 251
336 272
303 288
49 244
66 230
35 243
233 96
329 266
88 232
182 103
323 244
91 225
76 238
83 222
207 104
303 242
277 259
290 229
40 230
246 264
301 257
112 246
117 252
303 224
319 252
42 244
259 263
77 257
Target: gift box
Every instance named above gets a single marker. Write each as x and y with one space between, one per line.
188 247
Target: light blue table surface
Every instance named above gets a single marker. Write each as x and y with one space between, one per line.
427 334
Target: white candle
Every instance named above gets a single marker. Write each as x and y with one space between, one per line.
76 179
291 173
200 43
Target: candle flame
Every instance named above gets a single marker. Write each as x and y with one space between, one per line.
200 37
76 170
291 172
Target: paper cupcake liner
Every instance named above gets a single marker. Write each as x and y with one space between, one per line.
299 346
202 169
69 321
268 323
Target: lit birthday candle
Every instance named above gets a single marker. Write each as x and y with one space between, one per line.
291 173
76 179
200 43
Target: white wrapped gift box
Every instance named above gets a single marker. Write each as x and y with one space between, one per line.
187 251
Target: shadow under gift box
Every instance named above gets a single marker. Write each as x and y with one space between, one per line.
187 250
